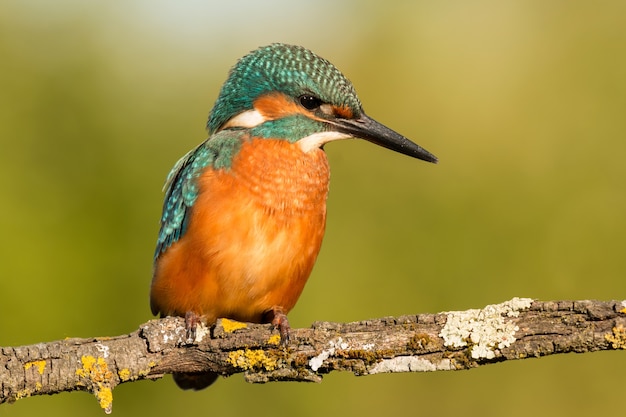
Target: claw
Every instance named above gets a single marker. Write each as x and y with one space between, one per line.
195 380
278 318
191 324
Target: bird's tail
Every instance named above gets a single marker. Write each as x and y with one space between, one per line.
195 381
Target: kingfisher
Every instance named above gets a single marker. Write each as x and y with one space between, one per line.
245 211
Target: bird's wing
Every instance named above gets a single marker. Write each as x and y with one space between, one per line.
181 189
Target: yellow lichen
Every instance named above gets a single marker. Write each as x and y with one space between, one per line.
97 371
94 368
124 374
251 359
144 372
623 310
274 339
22 394
26 392
105 398
87 362
618 338
230 326
41 366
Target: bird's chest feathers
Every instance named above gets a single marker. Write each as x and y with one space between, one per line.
258 225
269 203
278 177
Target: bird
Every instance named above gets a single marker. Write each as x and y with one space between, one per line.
244 212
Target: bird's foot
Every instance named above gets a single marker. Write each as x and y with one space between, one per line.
195 380
192 320
278 318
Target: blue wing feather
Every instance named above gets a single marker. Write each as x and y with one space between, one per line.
181 187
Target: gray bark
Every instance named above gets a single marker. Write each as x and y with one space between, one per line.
516 329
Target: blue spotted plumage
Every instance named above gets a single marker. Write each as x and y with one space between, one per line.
290 69
181 188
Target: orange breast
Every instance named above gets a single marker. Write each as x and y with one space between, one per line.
253 236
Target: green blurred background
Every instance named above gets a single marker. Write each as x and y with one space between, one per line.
523 102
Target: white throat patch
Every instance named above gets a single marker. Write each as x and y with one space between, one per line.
253 118
316 140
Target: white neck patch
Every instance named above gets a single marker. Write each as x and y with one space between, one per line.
316 140
253 118
247 120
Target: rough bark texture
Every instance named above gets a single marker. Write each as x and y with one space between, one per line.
516 329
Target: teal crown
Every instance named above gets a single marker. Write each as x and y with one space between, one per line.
289 69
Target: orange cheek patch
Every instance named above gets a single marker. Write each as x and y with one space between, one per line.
343 112
276 105
273 106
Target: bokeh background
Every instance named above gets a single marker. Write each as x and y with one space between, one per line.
523 102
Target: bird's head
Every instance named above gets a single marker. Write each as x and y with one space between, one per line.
288 92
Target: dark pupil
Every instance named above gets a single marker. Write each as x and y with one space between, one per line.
310 102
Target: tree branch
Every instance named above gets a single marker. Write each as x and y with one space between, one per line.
516 329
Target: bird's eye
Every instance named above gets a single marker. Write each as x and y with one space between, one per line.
310 102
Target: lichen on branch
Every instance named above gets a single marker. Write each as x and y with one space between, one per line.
516 329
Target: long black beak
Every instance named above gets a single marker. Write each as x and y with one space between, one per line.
369 129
